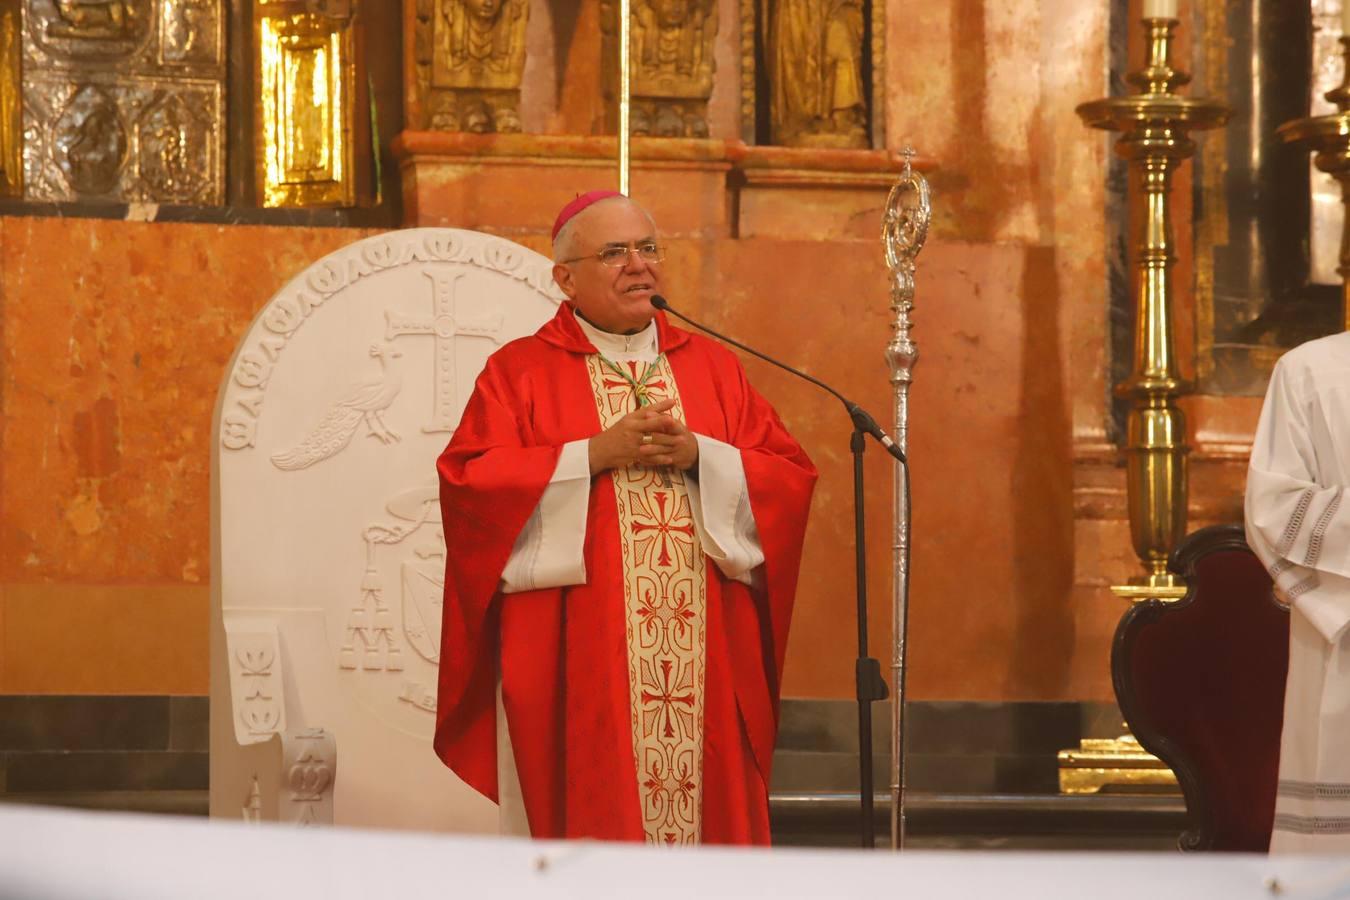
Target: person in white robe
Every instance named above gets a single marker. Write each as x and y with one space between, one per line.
1298 523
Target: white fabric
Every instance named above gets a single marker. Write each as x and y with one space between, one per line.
50 854
1299 526
548 550
720 501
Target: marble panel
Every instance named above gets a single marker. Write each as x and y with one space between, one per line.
72 638
514 184
115 335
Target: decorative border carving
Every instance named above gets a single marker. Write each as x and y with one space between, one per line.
11 99
282 319
749 29
257 688
878 86
309 771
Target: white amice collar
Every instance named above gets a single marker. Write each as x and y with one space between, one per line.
610 344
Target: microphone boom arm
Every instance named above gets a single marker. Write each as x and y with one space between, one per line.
862 420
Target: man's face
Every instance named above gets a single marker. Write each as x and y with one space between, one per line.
617 299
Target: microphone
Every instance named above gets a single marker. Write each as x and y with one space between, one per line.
862 420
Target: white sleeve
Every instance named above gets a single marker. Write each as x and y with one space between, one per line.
548 551
1296 523
720 502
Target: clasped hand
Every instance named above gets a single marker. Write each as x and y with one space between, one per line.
622 444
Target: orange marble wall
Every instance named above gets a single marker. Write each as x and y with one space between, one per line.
113 336
112 364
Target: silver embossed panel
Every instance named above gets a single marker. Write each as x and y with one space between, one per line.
124 100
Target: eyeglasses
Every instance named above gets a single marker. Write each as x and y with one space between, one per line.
614 257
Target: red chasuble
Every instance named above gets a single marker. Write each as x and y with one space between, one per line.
643 704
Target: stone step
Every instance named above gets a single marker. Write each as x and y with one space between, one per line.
830 819
77 771
1012 821
806 771
175 803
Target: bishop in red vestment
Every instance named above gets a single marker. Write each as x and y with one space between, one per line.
623 518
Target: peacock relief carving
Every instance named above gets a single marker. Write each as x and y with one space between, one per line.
363 404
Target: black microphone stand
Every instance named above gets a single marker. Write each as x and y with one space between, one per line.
869 685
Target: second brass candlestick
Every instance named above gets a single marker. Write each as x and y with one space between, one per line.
1155 123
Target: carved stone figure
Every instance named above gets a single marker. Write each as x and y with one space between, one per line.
818 97
672 64
478 56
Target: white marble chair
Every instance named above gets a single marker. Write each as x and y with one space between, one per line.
327 549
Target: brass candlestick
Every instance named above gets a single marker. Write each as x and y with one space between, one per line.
1155 125
1329 139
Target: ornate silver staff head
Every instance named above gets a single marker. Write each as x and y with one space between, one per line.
908 210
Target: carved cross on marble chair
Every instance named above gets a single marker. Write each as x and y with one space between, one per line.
445 326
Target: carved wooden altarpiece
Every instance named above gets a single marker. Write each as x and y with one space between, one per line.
672 65
468 60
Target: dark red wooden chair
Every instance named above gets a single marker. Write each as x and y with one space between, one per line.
1201 683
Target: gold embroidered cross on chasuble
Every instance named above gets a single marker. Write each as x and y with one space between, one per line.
665 598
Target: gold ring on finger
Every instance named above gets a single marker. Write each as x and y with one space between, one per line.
647 439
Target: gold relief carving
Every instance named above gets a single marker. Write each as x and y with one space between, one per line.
817 98
185 28
11 100
877 104
470 56
91 141
91 29
305 90
673 47
123 100
93 19
749 104
672 64
172 137
479 43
